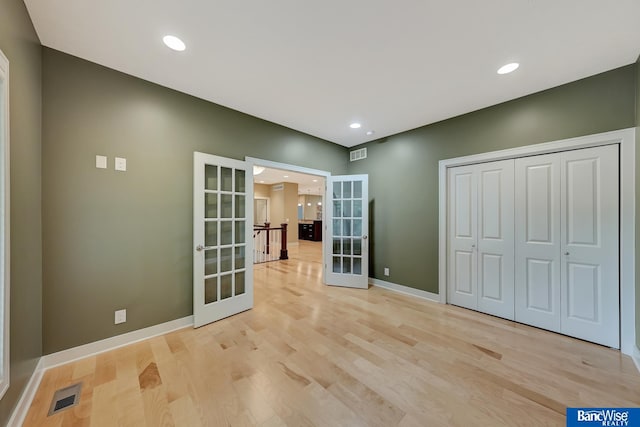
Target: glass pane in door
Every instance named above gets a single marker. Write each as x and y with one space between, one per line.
211 290
210 177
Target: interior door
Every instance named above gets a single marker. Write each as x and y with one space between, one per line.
495 238
222 217
537 265
462 223
347 245
590 249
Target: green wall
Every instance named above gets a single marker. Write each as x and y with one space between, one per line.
21 46
403 169
116 240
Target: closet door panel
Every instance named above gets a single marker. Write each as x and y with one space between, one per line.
462 223
537 241
495 238
590 249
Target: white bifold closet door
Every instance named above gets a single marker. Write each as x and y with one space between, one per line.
567 226
481 240
537 221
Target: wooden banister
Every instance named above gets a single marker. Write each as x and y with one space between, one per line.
284 253
265 247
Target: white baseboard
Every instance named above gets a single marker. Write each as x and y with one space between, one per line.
636 357
29 392
97 347
405 290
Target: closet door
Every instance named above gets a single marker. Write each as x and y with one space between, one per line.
590 250
537 248
462 223
495 238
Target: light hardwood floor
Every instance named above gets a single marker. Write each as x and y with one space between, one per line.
312 355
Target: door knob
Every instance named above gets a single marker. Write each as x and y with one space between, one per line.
566 253
365 237
199 248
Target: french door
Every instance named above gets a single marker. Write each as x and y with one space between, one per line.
222 218
347 244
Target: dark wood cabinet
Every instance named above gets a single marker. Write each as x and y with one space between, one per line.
310 231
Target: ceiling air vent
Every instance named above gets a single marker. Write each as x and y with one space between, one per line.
277 187
358 154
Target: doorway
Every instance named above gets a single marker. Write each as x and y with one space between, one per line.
287 197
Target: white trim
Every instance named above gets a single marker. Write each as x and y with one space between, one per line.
5 228
418 293
97 347
26 398
253 161
285 166
626 139
635 355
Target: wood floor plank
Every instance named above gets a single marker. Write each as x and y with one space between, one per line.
313 355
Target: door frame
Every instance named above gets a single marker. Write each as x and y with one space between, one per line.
626 140
268 199
5 226
254 161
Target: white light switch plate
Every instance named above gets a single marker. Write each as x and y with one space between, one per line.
121 316
386 271
121 164
101 162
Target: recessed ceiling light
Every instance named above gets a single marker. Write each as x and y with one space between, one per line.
261 182
174 43
355 125
257 170
506 69
315 180
371 132
286 176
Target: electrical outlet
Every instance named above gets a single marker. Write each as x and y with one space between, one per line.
121 316
121 164
386 271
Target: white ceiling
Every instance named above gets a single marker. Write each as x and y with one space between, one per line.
316 66
307 184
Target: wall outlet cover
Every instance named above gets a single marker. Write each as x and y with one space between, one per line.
121 164
386 271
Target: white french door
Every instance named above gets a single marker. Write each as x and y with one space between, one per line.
222 224
347 242
480 264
